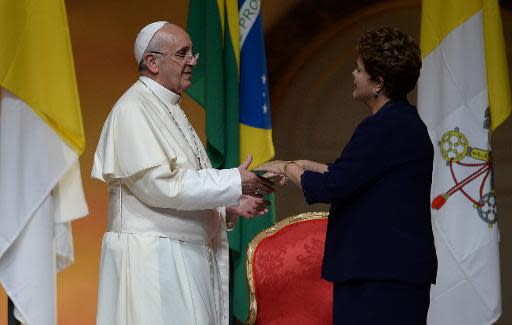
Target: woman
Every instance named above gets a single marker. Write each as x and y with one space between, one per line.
379 249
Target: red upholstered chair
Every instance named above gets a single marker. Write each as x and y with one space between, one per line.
283 270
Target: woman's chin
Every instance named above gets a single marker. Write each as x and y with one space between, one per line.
357 96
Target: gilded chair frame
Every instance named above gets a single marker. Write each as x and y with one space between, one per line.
251 249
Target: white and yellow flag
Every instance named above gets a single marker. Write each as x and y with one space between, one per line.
463 95
41 138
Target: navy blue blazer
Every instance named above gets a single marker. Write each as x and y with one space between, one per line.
379 225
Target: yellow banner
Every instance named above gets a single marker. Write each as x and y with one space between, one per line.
440 17
498 82
36 64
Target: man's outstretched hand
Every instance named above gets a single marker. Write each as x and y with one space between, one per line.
249 207
253 184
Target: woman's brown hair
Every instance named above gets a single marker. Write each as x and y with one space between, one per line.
392 55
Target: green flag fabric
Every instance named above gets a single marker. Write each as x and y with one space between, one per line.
215 79
230 83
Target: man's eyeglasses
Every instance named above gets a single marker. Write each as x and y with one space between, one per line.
187 57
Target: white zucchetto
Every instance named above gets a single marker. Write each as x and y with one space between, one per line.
144 37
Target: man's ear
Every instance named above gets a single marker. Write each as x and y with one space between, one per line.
150 61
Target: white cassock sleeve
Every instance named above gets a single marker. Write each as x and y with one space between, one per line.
183 189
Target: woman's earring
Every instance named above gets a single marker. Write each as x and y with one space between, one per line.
375 94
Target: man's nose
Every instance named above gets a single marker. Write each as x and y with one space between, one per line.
193 61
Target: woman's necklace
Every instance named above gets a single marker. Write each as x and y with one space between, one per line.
197 151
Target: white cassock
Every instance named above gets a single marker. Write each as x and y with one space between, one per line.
164 256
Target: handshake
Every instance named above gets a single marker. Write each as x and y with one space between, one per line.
277 172
258 186
254 186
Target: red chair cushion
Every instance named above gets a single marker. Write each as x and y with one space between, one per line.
287 276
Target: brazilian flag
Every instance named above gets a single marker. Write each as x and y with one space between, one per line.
230 83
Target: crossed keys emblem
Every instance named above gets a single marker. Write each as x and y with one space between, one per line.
455 147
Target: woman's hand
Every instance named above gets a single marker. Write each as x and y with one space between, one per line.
274 167
276 179
287 170
274 171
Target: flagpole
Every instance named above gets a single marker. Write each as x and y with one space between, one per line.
11 320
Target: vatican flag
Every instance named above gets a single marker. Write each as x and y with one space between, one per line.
463 95
41 138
